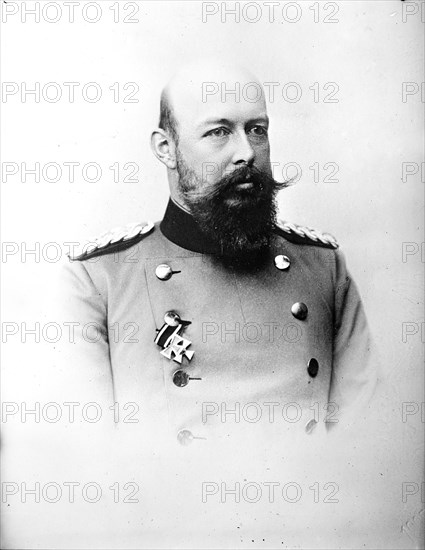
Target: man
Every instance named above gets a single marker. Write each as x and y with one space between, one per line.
271 301
224 326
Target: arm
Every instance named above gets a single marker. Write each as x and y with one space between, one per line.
355 362
85 367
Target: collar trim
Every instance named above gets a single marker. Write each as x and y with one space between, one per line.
180 228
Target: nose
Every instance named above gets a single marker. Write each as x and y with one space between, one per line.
244 152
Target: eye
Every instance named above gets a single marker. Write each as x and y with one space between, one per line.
218 132
258 131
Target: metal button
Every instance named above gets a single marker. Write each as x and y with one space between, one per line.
313 367
299 310
163 272
172 319
181 378
185 437
311 424
282 262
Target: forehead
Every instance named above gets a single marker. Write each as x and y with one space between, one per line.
202 102
236 110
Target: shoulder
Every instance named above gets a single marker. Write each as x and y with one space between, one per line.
115 240
300 234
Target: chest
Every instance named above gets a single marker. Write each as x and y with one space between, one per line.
248 345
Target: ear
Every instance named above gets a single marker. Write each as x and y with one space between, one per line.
163 148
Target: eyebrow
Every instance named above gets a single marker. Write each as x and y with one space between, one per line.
210 121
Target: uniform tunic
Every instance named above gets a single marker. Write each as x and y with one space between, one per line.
280 354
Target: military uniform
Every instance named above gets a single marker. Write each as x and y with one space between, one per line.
293 331
228 374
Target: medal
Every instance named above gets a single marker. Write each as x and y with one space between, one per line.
174 345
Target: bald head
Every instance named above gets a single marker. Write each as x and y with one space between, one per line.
213 121
208 88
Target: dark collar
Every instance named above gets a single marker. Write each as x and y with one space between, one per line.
181 229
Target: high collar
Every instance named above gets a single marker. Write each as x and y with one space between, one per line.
180 227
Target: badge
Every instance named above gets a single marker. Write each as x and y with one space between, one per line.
174 345
178 348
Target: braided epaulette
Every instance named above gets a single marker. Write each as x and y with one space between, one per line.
305 235
115 240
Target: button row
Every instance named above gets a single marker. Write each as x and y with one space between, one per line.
186 437
182 378
164 271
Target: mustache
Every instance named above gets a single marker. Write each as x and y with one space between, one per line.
263 184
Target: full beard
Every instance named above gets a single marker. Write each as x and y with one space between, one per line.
239 221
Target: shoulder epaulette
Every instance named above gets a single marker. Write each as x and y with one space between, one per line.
115 240
300 234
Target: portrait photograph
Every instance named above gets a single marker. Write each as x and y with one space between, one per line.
212 236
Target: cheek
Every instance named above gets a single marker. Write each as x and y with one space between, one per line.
262 158
213 171
212 166
263 150
208 162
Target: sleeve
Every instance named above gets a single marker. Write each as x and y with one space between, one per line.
84 366
355 370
